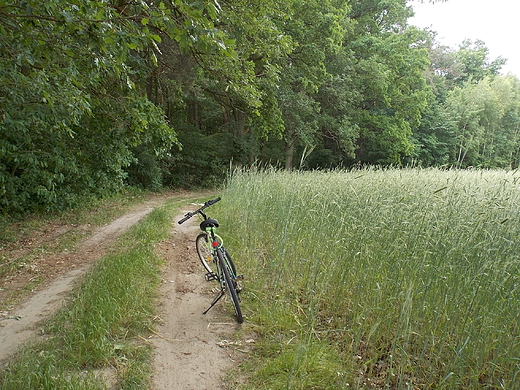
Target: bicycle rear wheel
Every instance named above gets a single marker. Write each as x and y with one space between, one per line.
230 284
205 253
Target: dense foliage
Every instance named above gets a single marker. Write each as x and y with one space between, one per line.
96 95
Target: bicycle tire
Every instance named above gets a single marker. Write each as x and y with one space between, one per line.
204 252
231 285
230 261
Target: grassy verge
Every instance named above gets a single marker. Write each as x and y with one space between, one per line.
379 278
96 342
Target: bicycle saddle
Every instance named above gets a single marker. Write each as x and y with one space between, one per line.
210 222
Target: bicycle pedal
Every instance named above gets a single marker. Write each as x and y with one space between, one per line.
239 277
210 276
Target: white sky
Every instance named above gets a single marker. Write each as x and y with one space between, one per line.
496 23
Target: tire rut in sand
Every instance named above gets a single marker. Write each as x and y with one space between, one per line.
23 323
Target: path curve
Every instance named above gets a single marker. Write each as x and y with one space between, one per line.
21 324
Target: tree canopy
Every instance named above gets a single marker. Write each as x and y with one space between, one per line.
97 95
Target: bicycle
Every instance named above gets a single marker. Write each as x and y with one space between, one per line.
216 259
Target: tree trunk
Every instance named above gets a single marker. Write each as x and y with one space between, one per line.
360 150
240 123
289 154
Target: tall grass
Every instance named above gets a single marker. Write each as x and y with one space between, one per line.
380 278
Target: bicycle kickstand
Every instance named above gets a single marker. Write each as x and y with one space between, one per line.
222 293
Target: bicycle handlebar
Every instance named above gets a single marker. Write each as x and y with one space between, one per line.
192 213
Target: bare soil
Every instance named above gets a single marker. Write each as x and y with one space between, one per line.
192 350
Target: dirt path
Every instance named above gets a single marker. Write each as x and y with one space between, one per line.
192 349
61 270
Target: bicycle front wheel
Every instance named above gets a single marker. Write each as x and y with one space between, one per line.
205 253
230 261
230 284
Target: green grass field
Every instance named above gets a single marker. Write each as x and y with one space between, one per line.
397 279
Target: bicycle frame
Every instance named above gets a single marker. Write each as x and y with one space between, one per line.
214 243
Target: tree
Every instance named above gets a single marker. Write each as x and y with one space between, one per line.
486 114
73 106
316 30
434 139
389 76
338 100
463 122
474 63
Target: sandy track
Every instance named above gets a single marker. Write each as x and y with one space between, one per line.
21 324
192 349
